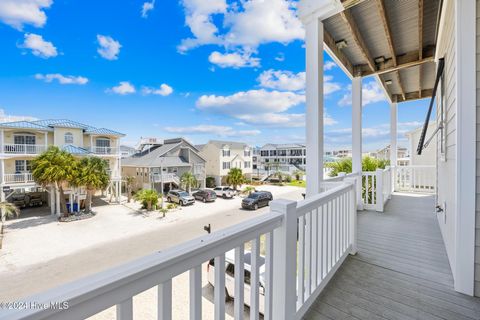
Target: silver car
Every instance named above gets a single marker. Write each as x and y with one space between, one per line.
224 192
181 197
230 278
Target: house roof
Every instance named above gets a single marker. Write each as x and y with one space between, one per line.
75 150
49 124
24 125
283 146
155 156
233 144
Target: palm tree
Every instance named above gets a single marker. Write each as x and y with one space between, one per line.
279 176
129 184
8 210
93 175
235 177
342 165
148 197
298 174
55 168
188 180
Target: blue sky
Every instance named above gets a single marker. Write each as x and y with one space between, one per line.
212 69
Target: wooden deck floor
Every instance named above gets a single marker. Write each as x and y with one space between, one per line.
401 270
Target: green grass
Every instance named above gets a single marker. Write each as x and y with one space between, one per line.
297 183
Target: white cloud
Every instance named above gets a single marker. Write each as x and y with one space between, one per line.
244 25
123 88
109 48
11 118
40 47
164 90
223 131
146 7
61 79
198 17
287 80
17 13
282 80
282 119
371 93
235 60
329 65
250 102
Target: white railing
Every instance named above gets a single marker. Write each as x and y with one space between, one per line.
105 150
165 178
23 148
325 226
415 179
18 178
377 188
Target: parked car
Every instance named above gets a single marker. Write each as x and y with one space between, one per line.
30 199
230 278
205 195
257 199
181 197
224 192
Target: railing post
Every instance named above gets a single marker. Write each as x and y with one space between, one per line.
352 209
285 261
379 190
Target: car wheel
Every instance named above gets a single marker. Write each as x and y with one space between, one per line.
182 203
169 199
224 196
255 207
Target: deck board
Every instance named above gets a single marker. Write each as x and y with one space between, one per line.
401 270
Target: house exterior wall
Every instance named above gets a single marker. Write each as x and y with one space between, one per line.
212 154
477 191
429 154
446 167
59 136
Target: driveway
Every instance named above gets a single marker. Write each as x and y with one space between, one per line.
42 254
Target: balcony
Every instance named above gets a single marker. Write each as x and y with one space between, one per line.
24 149
18 178
105 151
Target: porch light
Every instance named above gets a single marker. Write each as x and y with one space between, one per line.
380 59
388 82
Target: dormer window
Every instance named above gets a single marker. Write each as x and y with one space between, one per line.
246 152
68 138
226 152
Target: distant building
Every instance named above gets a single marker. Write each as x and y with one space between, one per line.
127 151
402 155
428 156
221 156
164 162
282 156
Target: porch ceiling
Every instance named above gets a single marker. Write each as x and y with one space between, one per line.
401 33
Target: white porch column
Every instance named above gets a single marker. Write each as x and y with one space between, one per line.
357 134
393 134
46 140
314 105
2 141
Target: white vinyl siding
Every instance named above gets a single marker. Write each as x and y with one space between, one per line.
446 170
477 191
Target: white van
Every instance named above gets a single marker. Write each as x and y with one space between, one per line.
230 278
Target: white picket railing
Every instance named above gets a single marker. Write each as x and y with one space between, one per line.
105 150
325 226
377 188
415 179
23 148
18 178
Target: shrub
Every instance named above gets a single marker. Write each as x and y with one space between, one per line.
171 206
210 182
148 197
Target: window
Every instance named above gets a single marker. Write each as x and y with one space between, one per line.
24 138
102 145
247 164
68 138
226 152
226 165
246 153
247 277
22 166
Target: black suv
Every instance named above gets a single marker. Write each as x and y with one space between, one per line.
257 199
205 195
